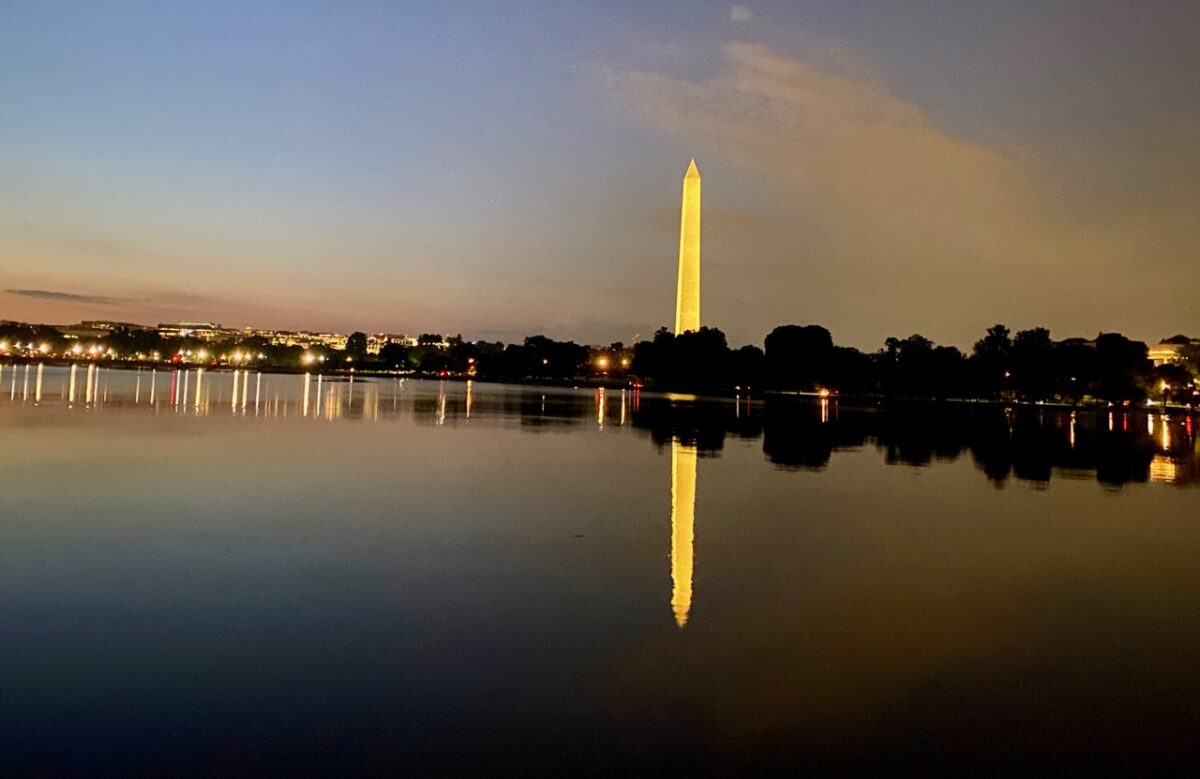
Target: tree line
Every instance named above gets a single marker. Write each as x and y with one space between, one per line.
1028 365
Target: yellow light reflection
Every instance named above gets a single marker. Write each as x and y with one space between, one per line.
1163 469
683 520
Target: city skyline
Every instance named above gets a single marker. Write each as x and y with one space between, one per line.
413 171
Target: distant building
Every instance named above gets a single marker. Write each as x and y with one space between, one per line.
304 339
204 331
1170 349
108 325
96 328
376 341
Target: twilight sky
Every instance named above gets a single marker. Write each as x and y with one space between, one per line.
500 168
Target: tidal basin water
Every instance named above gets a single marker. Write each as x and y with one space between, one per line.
217 572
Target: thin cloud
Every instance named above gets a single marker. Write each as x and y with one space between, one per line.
65 297
740 13
895 223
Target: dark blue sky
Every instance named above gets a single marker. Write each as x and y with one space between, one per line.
501 169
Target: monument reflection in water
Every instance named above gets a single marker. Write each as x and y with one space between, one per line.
683 526
460 573
1030 444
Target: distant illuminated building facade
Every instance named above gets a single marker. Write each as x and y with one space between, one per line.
203 331
687 293
1170 350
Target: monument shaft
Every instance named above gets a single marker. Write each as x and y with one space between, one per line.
687 296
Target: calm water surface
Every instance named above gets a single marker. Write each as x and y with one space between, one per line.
205 573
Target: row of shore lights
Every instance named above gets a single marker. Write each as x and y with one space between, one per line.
603 362
43 348
97 351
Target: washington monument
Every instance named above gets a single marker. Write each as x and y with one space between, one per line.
687 295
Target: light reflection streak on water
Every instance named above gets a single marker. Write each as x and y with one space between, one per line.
1170 434
683 521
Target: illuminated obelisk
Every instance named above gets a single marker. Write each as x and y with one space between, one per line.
687 294
683 520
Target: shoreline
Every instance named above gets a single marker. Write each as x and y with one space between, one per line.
735 394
